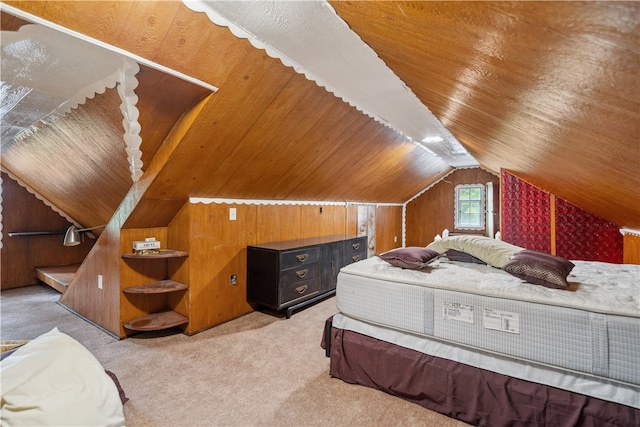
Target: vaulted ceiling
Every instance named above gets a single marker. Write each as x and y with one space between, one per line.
547 90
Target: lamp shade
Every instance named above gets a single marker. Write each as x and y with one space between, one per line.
71 237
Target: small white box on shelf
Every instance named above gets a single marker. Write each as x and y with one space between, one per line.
148 246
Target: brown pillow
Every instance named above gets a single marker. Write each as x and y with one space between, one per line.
460 256
412 257
540 268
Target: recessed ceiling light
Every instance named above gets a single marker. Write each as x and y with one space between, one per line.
433 138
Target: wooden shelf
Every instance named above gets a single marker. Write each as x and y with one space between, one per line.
156 321
165 318
160 287
164 253
58 277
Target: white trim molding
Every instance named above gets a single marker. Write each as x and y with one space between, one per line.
625 231
219 201
207 201
128 82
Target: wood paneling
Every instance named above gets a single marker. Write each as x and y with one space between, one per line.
73 161
433 211
388 228
352 219
218 250
100 306
631 254
22 211
179 238
277 223
162 100
322 220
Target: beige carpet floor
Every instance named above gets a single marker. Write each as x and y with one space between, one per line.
257 370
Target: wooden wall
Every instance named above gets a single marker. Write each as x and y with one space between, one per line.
22 211
433 211
631 244
217 250
388 228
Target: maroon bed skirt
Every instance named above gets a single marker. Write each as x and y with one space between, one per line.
469 394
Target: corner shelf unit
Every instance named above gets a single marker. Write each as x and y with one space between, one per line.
163 319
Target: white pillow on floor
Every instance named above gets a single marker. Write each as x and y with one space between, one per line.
55 381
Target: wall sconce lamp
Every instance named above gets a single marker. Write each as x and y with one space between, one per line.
72 236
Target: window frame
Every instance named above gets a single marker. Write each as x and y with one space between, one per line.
481 204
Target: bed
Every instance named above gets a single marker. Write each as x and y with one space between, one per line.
492 334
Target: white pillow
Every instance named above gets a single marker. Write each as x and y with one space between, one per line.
55 380
494 252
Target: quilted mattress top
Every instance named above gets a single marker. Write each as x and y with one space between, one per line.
593 286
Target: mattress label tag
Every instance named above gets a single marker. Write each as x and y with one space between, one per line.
457 311
501 320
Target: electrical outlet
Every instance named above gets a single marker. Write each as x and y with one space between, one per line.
99 281
232 214
395 239
233 279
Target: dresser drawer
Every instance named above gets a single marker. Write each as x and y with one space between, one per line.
355 250
299 257
299 290
299 273
355 257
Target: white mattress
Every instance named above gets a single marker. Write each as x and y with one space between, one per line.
594 328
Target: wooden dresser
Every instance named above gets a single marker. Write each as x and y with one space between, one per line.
293 274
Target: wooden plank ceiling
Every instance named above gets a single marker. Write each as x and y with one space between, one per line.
548 90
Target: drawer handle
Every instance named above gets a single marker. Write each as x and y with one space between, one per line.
356 246
302 257
301 289
302 273
355 258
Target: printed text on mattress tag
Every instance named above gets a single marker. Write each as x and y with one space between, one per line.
457 311
499 320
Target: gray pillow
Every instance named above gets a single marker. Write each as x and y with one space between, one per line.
454 255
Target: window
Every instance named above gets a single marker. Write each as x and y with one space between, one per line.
469 207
